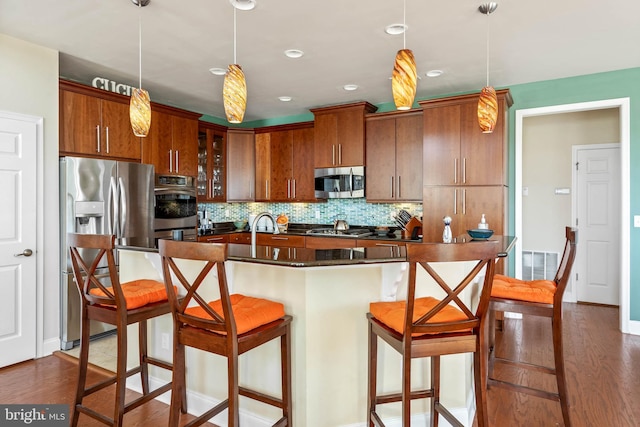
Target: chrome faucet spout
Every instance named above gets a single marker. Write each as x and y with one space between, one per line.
254 227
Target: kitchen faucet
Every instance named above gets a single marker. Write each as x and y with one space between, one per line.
254 227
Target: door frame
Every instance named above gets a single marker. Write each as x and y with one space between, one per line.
38 121
573 295
623 105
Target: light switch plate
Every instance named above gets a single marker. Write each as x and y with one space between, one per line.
636 221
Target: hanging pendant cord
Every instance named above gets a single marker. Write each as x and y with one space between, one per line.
404 24
234 35
140 43
488 13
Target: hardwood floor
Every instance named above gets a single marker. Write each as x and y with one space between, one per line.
600 362
604 387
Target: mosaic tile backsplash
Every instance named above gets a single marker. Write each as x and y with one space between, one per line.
354 211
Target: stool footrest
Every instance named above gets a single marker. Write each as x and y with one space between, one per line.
209 414
160 363
492 382
439 409
397 397
260 397
525 365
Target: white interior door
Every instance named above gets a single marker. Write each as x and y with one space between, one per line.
597 261
17 240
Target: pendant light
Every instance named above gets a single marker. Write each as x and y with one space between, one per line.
488 100
404 78
234 90
140 104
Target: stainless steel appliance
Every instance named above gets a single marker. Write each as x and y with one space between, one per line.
175 207
339 183
100 197
350 232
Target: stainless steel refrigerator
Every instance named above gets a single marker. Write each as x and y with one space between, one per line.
100 197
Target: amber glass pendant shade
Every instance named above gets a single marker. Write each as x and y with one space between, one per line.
140 112
404 79
234 93
487 109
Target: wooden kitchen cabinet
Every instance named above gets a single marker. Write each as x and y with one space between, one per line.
241 165
240 238
394 157
280 240
95 123
456 152
284 164
339 133
313 242
214 238
465 206
369 243
211 163
172 143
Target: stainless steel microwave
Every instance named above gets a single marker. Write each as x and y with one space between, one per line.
339 183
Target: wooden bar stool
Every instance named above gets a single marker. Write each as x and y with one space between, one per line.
431 327
537 298
229 327
120 305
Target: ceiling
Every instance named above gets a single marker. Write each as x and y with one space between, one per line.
343 43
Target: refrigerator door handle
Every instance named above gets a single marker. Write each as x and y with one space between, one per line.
122 202
114 211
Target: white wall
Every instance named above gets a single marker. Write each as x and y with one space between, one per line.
546 165
29 85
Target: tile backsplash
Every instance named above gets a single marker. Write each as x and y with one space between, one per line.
355 211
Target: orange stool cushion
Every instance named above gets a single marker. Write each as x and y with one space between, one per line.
138 293
249 312
533 291
392 313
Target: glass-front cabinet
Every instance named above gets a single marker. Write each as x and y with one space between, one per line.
211 162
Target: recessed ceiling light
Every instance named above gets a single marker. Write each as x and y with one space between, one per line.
350 87
285 98
293 53
218 71
434 73
395 29
243 4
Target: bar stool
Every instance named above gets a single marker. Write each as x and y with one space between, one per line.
228 326
119 305
431 327
537 298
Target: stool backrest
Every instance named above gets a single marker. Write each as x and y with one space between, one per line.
425 255
87 254
212 255
566 264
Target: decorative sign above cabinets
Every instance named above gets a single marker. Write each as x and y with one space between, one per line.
111 86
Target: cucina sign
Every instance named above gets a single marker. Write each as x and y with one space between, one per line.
111 86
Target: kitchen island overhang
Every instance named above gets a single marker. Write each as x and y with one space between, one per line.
328 294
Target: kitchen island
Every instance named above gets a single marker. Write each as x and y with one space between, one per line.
328 293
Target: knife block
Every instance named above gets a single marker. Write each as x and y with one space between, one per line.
412 229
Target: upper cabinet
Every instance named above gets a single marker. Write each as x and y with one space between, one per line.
95 123
284 163
241 165
394 157
212 142
172 143
340 134
456 152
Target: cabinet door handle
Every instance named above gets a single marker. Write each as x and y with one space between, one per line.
455 201
98 138
106 131
392 186
339 154
177 161
279 238
333 154
464 170
288 188
455 171
266 188
464 201
170 160
399 187
294 188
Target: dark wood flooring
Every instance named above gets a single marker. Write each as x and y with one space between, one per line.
604 385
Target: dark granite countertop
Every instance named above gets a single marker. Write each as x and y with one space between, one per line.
303 257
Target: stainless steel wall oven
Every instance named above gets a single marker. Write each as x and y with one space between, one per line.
175 206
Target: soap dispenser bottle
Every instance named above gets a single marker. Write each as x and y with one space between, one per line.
446 234
483 224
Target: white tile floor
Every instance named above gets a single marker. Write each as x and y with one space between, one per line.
102 352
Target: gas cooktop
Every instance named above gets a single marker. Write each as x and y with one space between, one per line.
351 232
